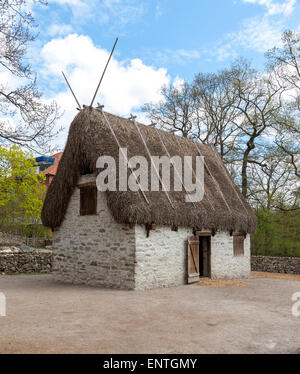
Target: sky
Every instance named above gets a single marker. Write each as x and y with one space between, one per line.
160 42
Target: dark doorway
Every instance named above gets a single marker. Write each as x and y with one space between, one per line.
204 256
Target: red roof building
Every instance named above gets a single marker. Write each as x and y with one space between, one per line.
50 172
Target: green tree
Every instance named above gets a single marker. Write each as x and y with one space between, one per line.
21 188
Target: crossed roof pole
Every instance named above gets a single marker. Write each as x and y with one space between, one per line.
100 81
133 119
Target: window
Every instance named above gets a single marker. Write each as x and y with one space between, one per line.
88 200
238 245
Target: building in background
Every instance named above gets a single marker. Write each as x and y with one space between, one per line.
48 166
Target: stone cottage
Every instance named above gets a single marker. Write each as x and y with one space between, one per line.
142 239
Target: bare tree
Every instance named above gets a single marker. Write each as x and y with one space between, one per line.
238 110
272 183
258 99
285 63
216 113
201 110
176 111
287 137
25 119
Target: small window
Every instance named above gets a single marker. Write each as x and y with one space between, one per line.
88 200
238 245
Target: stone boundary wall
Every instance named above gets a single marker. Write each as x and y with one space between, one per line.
38 261
9 239
289 265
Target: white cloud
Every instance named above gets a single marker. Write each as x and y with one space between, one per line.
192 53
59 29
158 11
221 51
263 32
259 34
173 56
79 8
125 87
285 7
120 12
178 82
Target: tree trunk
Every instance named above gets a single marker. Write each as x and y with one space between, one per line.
250 146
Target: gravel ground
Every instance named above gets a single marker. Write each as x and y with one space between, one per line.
259 274
47 317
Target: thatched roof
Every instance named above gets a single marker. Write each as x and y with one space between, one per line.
223 207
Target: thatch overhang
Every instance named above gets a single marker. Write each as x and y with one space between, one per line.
222 208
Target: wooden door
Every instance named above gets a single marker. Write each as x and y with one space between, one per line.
193 259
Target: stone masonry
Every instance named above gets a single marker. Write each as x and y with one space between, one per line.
223 263
161 259
289 265
93 250
37 261
96 250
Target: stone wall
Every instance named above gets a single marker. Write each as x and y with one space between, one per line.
289 265
7 238
96 250
161 259
223 263
93 249
37 261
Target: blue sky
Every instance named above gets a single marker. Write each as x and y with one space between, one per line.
160 41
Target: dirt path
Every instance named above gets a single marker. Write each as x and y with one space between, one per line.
47 317
259 274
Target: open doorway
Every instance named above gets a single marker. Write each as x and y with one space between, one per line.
204 256
199 253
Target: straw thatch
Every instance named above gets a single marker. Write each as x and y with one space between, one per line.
89 137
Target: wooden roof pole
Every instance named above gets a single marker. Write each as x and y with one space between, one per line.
229 179
111 53
168 154
213 178
193 172
132 118
79 106
100 108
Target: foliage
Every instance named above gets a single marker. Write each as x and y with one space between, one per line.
277 234
30 230
21 188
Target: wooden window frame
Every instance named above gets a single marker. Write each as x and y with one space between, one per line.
238 245
88 199
203 233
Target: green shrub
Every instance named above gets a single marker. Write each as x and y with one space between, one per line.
278 234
